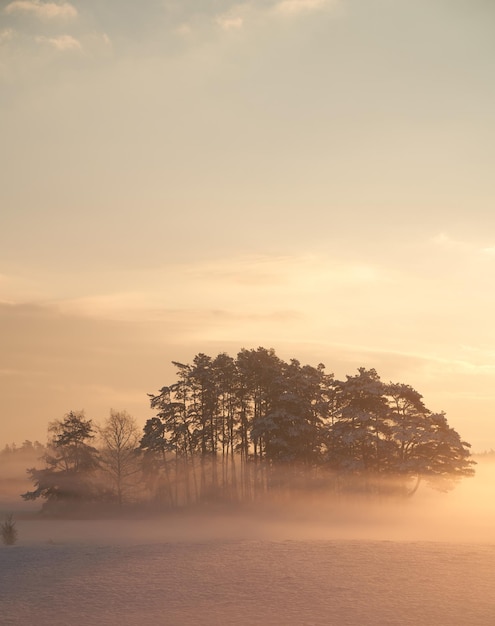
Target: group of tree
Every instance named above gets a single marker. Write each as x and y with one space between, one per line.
28 449
243 428
76 471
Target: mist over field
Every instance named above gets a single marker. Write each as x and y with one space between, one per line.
466 514
303 548
426 560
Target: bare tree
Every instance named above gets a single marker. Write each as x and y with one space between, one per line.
8 531
119 459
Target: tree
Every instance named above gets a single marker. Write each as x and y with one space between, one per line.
358 437
8 530
169 443
118 456
247 426
225 372
381 432
426 447
290 428
70 462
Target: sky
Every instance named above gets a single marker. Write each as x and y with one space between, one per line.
186 176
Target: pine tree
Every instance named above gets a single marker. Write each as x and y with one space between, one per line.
70 462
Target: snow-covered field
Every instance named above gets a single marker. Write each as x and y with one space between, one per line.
427 562
339 582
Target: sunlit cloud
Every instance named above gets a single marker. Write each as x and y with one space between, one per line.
244 295
230 22
7 34
252 14
238 16
43 10
237 280
306 269
63 43
479 356
466 363
446 242
294 7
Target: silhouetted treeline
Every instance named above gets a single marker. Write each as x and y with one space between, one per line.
26 449
239 429
13 462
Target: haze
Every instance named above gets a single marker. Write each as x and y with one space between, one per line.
466 514
309 175
312 559
429 560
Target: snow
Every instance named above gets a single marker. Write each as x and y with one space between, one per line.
429 561
248 582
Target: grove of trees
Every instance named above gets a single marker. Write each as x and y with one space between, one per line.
251 427
75 471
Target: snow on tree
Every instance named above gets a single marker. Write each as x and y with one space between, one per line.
266 421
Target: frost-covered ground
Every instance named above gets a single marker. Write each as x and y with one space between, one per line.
427 562
299 582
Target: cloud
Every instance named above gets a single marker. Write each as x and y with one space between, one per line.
238 16
445 242
251 14
7 34
230 22
247 295
231 283
303 271
43 10
63 43
294 7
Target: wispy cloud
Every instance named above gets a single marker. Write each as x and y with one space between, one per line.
254 288
222 279
63 43
309 270
43 10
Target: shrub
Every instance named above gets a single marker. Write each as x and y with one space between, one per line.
8 531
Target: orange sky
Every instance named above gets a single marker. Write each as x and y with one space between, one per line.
181 177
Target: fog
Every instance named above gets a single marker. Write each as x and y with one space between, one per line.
428 560
465 514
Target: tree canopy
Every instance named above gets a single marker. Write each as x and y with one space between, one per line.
243 428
